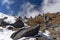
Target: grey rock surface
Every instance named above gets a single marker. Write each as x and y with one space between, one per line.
31 31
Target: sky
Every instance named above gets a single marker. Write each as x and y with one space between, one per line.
14 6
29 7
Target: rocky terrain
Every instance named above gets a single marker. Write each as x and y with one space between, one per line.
48 21
49 26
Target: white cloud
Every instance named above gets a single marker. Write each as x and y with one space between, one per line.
28 10
7 1
32 14
51 6
11 12
8 7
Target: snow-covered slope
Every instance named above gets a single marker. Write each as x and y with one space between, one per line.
3 15
5 34
10 19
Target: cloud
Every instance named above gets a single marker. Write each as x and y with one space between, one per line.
7 1
7 4
51 6
8 7
28 10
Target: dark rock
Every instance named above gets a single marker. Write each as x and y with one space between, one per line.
31 31
3 23
18 24
10 28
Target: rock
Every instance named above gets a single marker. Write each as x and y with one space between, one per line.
3 23
10 28
18 24
31 31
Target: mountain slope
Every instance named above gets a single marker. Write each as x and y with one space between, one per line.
10 19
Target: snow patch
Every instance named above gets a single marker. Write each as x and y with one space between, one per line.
5 34
46 33
10 19
27 38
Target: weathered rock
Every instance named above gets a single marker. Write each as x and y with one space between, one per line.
3 23
18 24
31 31
10 28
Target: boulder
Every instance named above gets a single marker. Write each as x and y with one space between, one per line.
18 24
3 23
31 31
